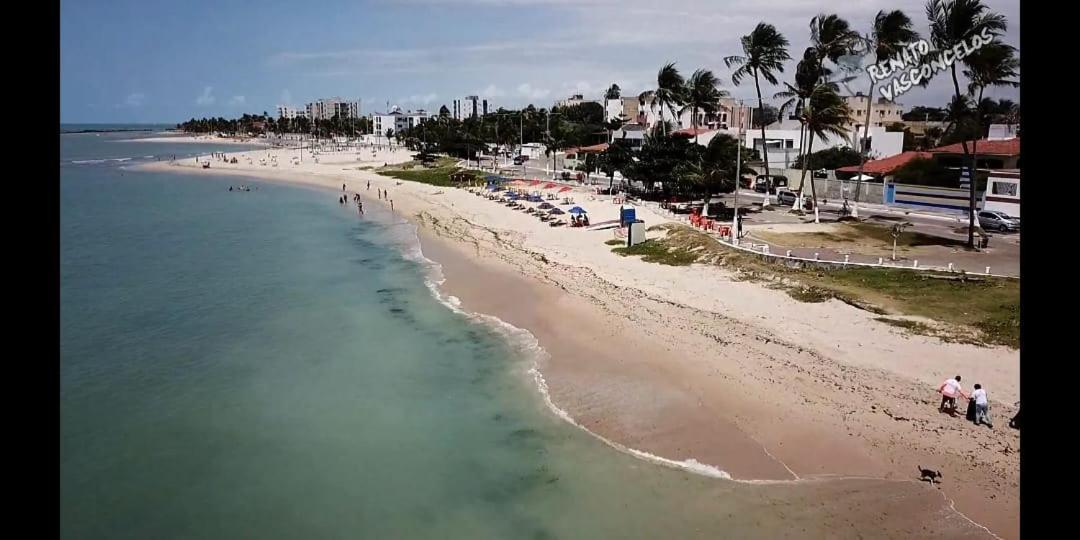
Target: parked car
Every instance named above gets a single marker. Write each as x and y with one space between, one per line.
518 160
786 197
998 221
821 173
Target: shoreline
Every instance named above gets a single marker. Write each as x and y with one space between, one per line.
667 403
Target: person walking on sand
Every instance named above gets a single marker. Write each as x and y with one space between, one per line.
982 407
360 206
342 187
950 389
369 185
391 205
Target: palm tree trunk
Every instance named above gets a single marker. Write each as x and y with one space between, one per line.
805 158
813 188
802 177
764 143
975 154
862 148
971 186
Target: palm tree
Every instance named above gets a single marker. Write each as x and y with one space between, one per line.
615 158
764 54
670 91
891 32
701 94
832 37
808 73
824 114
955 23
613 92
994 64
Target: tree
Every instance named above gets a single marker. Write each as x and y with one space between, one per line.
890 33
830 158
764 54
670 91
614 159
808 73
920 113
719 167
444 112
701 94
825 114
954 23
763 116
613 92
994 64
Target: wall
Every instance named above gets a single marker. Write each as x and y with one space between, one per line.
831 188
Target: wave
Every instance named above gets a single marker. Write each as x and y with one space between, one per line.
96 161
524 341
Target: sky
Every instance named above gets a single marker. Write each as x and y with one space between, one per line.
139 61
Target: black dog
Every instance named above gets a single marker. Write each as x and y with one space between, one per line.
927 474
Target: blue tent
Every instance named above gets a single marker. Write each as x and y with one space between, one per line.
577 210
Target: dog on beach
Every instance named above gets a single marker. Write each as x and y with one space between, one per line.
929 475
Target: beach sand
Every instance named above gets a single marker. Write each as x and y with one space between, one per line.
688 363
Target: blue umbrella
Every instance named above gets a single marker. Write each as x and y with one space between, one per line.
577 210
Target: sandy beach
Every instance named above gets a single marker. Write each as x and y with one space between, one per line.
694 366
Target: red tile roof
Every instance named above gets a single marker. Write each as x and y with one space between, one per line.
886 166
1006 147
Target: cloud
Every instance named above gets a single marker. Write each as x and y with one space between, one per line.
134 100
526 91
491 91
238 100
424 99
207 97
598 42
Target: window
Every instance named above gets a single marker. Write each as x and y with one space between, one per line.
1004 188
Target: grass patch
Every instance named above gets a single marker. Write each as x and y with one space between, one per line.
986 308
615 242
414 171
913 326
658 250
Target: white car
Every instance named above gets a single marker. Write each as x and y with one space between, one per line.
998 221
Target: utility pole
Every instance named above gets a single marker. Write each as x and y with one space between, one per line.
738 174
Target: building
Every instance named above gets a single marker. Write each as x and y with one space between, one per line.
993 154
632 134
625 107
396 120
470 107
730 114
782 139
289 112
883 113
326 109
576 99
884 169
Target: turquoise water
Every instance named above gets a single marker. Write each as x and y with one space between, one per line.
268 364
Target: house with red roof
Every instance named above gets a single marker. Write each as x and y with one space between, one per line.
991 154
883 169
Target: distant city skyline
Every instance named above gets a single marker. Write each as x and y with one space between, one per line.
131 61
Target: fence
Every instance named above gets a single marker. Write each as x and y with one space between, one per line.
763 251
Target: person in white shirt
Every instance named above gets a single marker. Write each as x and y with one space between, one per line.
982 407
950 390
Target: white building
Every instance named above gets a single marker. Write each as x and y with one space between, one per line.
729 115
326 109
625 107
782 139
469 107
576 99
290 112
396 120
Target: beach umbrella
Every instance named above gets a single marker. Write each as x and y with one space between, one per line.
545 206
577 210
550 185
556 211
534 183
564 188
